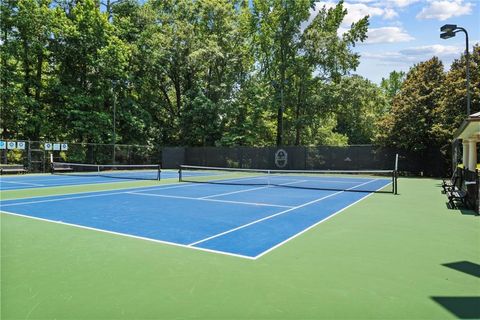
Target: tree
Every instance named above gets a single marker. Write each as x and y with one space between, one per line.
452 107
358 104
392 85
410 123
26 26
289 56
90 60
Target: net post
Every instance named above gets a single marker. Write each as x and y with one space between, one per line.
395 175
179 173
396 181
159 172
393 181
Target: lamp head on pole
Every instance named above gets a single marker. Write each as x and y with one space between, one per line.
448 28
447 35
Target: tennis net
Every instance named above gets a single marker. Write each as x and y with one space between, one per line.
383 181
135 172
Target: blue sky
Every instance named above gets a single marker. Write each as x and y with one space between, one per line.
405 32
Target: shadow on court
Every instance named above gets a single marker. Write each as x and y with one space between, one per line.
461 307
467 267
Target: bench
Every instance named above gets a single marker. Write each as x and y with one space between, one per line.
455 196
59 170
12 169
449 184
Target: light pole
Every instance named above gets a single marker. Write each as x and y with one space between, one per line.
114 122
449 31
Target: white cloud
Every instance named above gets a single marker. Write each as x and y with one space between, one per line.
444 9
390 13
432 50
364 1
415 54
388 3
356 11
388 35
401 3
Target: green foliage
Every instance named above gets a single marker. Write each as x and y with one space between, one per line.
392 85
359 104
409 124
453 104
431 104
288 57
211 72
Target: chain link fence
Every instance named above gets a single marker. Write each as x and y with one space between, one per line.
431 162
36 155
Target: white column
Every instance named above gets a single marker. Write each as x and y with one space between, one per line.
465 153
472 155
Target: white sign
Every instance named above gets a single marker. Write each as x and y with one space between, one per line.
56 146
47 146
21 145
281 158
3 145
64 146
11 145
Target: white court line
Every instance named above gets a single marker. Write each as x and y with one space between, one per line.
314 225
59 199
56 185
25 183
54 178
128 235
51 183
97 194
252 189
100 193
211 200
276 214
142 188
181 245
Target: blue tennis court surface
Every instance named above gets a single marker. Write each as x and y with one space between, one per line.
240 220
50 180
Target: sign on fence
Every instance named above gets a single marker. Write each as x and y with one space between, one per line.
56 147
3 145
47 146
11 145
281 158
21 145
64 146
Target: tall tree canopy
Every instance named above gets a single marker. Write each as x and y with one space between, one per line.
431 104
409 124
211 72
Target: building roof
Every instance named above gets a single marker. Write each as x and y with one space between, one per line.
470 128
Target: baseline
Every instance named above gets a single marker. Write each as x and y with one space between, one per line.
127 235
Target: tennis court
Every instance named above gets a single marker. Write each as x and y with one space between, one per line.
246 217
55 180
139 248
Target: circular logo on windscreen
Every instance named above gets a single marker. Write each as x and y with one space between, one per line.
281 158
